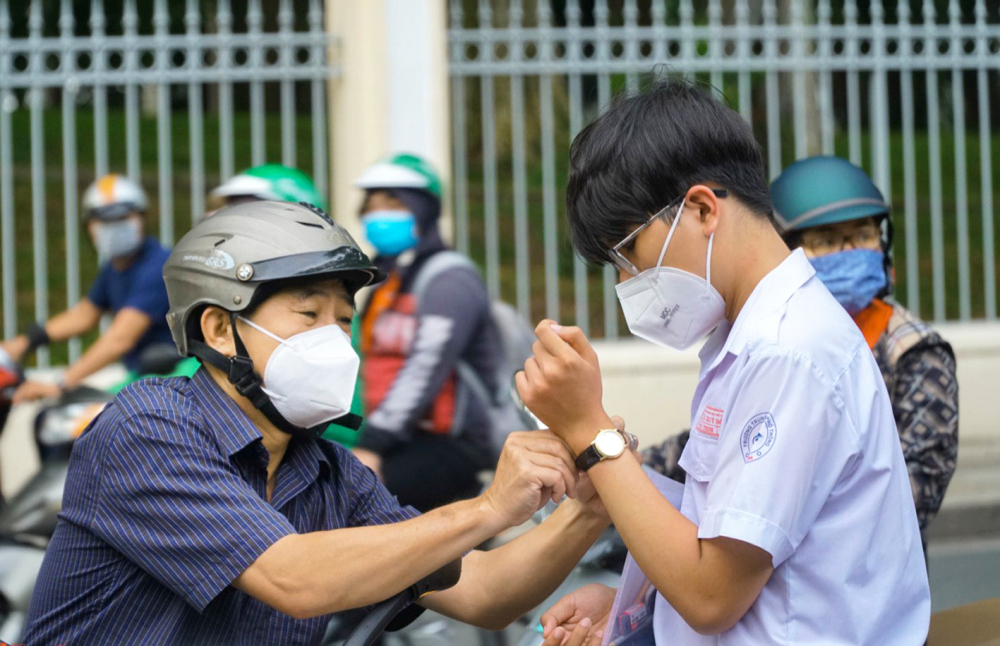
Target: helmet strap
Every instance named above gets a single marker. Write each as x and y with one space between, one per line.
239 370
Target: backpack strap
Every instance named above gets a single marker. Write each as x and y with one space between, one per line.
433 268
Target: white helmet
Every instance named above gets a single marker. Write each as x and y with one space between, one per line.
112 197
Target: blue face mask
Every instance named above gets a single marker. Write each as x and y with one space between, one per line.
390 232
854 277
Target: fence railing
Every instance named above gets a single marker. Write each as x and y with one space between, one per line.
905 90
217 91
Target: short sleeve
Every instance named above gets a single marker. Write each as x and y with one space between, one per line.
370 502
784 443
148 293
99 293
179 511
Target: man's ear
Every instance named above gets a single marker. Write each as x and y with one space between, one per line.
702 198
216 328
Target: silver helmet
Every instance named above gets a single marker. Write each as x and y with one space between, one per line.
225 259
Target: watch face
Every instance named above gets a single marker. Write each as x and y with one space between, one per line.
609 443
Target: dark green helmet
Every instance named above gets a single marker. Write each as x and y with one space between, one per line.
225 259
819 191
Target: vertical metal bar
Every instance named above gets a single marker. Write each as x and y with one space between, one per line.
581 299
660 31
985 163
38 211
853 89
934 154
492 228
685 10
826 77
224 18
319 140
878 115
550 211
909 165
196 130
286 29
743 52
459 151
716 47
130 23
800 119
71 216
7 231
604 98
772 90
961 186
97 24
161 26
631 11
258 143
521 251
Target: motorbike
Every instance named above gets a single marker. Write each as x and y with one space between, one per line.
28 518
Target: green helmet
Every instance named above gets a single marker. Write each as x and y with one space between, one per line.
818 191
271 182
401 171
225 259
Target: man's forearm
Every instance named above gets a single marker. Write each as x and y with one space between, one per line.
75 321
105 351
501 585
307 575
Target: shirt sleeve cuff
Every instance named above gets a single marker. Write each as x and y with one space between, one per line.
243 556
746 527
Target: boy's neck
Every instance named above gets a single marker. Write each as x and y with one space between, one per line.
762 251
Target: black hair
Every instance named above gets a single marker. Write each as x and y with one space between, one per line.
647 151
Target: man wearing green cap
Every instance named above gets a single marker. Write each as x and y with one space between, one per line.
428 324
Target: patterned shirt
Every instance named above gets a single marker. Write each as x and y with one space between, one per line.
165 506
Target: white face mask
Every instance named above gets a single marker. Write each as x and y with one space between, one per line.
672 307
117 239
310 377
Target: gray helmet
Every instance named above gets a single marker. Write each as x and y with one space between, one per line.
225 259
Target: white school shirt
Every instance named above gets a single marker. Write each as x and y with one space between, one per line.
794 449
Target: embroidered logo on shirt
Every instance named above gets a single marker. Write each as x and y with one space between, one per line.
758 437
710 422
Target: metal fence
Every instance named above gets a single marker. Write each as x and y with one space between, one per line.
908 90
217 86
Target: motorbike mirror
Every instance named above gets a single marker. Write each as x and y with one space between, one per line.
382 616
158 359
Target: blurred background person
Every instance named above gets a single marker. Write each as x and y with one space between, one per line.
426 433
129 285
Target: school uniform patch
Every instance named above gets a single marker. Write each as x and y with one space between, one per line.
758 437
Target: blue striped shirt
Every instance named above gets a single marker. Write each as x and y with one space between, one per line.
165 505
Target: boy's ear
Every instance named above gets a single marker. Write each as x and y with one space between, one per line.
704 199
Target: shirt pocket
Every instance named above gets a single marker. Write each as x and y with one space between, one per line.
700 456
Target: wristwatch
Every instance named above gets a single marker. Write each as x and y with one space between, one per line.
609 444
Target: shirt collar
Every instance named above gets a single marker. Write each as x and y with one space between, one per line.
767 298
237 431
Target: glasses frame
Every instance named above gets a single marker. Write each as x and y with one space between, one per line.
624 263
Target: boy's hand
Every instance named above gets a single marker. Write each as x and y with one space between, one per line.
561 385
579 618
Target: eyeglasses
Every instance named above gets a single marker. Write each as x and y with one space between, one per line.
820 242
674 207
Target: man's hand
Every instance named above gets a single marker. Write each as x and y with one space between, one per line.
579 618
534 467
561 385
32 390
370 459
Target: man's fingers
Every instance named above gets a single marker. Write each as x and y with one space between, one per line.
579 635
552 463
618 422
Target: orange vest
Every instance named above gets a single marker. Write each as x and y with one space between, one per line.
874 320
388 330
